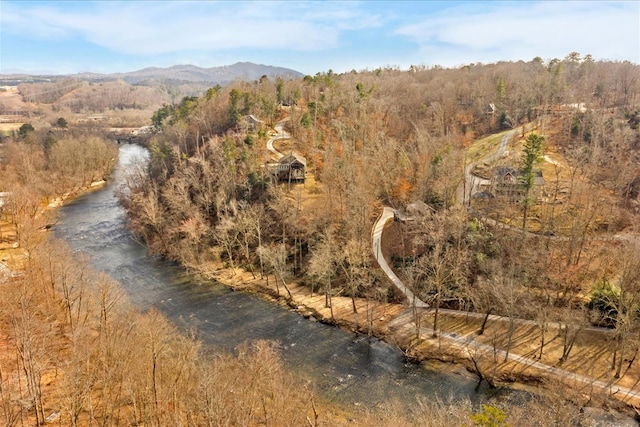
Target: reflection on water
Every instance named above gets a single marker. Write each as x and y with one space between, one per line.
345 366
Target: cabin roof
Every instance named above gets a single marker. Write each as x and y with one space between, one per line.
254 118
503 171
292 158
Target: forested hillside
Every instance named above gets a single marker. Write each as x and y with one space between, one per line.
74 351
80 96
556 243
393 137
542 229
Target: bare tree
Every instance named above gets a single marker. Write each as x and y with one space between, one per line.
323 263
617 305
571 324
226 235
275 255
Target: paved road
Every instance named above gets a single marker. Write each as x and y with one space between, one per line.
468 343
388 214
280 134
472 182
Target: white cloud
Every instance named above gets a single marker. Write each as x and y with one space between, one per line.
147 28
313 35
511 31
32 24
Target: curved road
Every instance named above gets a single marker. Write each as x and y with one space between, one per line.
376 233
473 182
280 134
388 214
468 343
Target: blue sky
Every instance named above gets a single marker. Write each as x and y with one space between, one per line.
308 36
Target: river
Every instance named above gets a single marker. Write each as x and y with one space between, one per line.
345 367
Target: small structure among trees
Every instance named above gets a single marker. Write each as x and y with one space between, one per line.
507 183
252 123
417 209
290 168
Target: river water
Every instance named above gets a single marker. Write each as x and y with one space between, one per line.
346 367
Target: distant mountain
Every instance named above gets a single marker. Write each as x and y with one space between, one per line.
183 74
184 80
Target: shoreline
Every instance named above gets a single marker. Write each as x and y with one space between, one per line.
388 322
59 201
11 252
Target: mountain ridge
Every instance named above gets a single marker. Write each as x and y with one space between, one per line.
180 73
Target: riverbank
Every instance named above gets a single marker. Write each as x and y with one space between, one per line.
458 348
395 324
11 254
391 322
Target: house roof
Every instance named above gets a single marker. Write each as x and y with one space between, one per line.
413 210
418 207
293 158
503 171
254 119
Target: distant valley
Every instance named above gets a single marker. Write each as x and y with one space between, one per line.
145 89
177 75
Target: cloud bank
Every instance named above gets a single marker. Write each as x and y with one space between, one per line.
149 28
523 30
310 36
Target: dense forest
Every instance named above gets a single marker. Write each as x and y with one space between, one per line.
391 137
567 256
207 198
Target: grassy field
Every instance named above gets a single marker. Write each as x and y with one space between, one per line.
7 128
484 147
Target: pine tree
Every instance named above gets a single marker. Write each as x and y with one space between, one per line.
531 156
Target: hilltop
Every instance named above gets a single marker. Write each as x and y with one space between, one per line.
128 97
174 75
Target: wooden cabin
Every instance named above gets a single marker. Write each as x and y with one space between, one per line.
251 123
291 168
506 184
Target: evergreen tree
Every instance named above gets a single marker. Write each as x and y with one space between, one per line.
531 156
